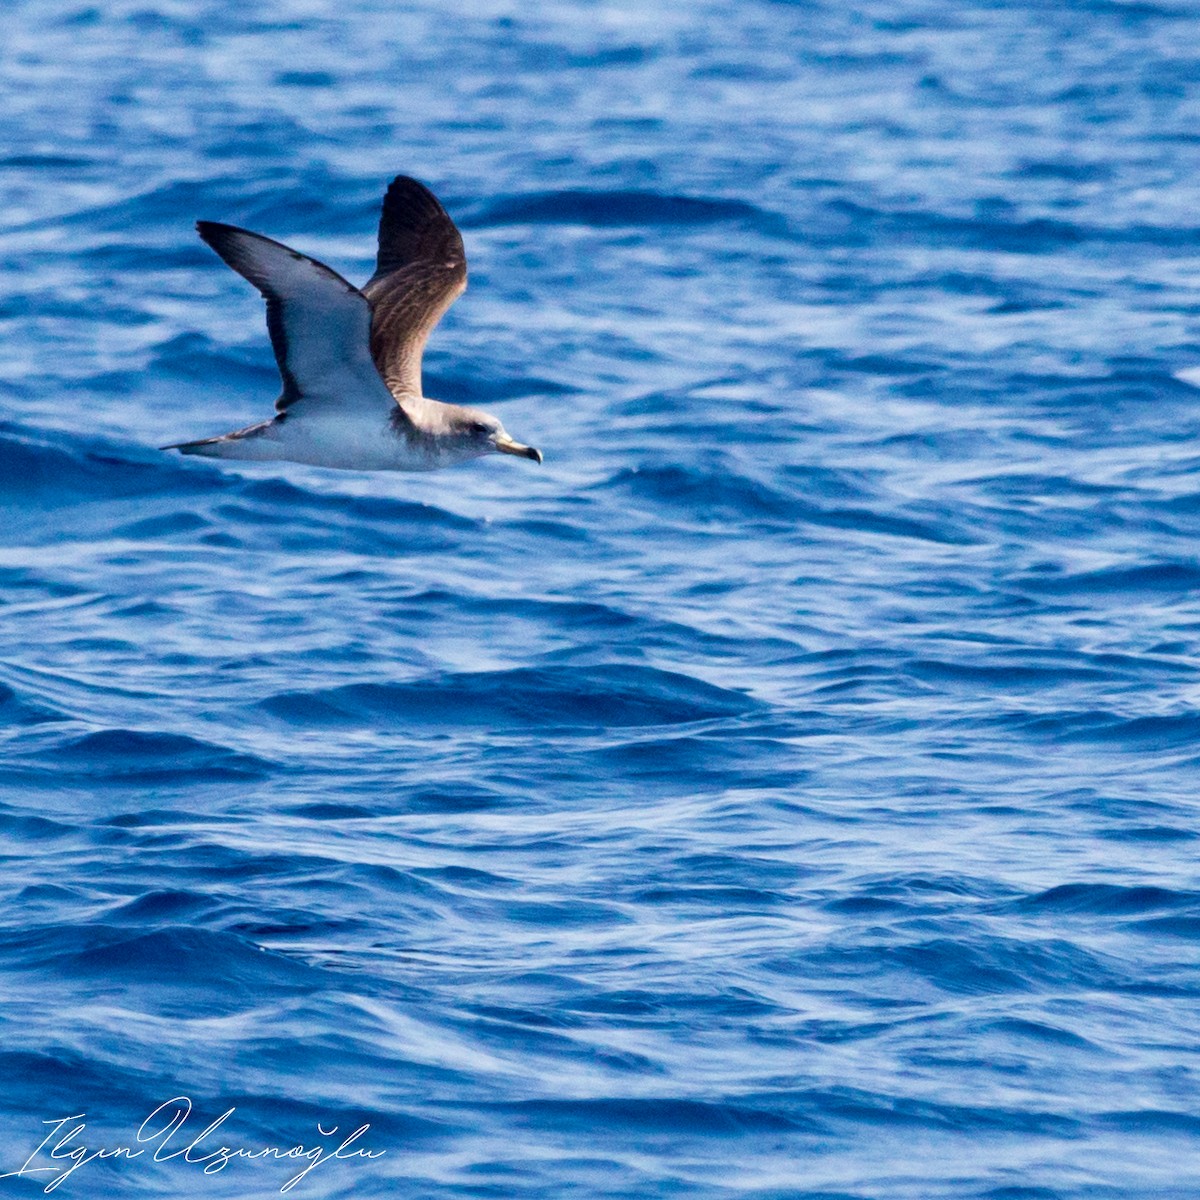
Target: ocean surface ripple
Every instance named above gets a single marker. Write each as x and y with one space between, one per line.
787 791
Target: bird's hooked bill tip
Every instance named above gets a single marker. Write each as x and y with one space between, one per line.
508 446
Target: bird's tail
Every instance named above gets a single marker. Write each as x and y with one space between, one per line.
227 445
204 446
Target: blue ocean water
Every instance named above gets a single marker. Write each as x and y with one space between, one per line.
789 789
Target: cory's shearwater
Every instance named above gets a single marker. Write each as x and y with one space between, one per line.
351 360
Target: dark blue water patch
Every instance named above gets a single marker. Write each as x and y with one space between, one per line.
727 901
459 381
282 202
454 798
153 818
996 229
1038 235
174 969
732 755
982 966
202 858
1064 169
175 524
183 958
280 926
468 878
1039 1032
1020 1192
20 826
1082 725
25 581
658 1117
879 364
867 906
196 357
305 79
310 202
50 893
38 475
575 616
1150 1120
831 483
132 755
52 1082
1142 378
620 208
533 1019
1148 833
130 255
168 906
278 494
173 205
640 1006
560 531
1176 732
328 810
1187 927
572 914
1149 578
730 870
340 707
671 755
1013 306
16 710
46 162
1037 487
860 520
702 497
1106 898
621 696
1188 504
1003 965
30 472
882 1110
789 1193
1019 672
948 885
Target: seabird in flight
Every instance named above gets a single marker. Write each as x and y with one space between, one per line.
350 359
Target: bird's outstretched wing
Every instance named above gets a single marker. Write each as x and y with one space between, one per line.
420 271
320 325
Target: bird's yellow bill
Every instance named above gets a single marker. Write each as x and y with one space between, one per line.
508 446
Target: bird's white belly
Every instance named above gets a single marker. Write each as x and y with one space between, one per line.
355 445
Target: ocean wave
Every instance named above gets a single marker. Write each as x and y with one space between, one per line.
583 697
705 496
183 958
18 710
619 208
118 756
1107 898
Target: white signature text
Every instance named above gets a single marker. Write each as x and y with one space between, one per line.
161 1137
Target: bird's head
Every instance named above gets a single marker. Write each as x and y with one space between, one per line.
485 435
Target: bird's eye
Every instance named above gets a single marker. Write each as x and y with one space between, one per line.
478 427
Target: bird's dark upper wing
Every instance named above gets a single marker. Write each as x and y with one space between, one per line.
420 271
